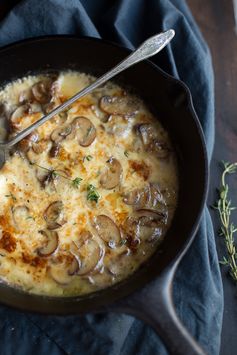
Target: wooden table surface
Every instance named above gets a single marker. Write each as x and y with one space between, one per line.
217 23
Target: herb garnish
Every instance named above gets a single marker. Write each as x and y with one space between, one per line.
76 182
227 229
92 194
88 157
54 173
63 114
12 196
30 217
126 153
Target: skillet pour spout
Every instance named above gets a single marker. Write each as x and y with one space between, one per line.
167 98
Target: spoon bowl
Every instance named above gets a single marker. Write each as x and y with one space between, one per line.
147 49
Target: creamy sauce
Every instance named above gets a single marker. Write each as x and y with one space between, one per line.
88 197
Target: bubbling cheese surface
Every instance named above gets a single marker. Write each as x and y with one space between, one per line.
88 197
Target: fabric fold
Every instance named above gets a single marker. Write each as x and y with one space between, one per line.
197 288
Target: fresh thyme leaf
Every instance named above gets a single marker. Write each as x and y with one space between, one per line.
76 182
92 194
54 174
123 241
227 230
30 217
63 115
88 157
126 153
12 196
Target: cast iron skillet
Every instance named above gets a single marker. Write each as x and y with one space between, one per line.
171 101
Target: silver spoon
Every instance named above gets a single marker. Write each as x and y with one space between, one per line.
147 49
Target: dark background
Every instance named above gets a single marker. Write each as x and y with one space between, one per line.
216 19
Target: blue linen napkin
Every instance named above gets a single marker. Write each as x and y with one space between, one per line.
198 287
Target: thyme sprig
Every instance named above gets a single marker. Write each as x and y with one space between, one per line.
54 173
228 229
92 193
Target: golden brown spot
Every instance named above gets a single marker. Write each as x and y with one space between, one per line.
8 242
32 260
5 222
66 259
113 199
81 219
63 155
141 168
120 216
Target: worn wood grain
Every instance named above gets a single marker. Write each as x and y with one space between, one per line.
217 23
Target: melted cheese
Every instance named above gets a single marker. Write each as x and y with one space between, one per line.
20 263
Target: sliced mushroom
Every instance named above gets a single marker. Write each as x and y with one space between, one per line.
54 87
60 133
162 150
25 96
151 218
84 130
144 225
44 177
112 174
35 108
73 267
151 142
83 236
107 230
52 179
50 106
51 243
131 232
116 105
41 92
157 197
63 271
104 117
138 197
54 151
19 112
146 132
53 215
41 146
20 214
149 196
89 255
60 180
25 144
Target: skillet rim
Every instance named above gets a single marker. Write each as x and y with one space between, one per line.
93 301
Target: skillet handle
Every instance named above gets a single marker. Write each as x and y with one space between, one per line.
154 305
